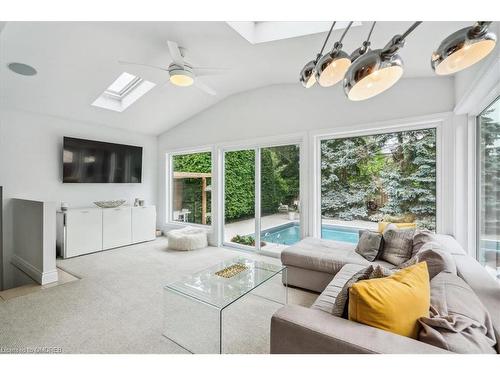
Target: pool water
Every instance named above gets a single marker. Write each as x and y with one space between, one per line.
289 234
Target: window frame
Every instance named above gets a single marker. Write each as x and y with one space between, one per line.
477 182
170 187
374 129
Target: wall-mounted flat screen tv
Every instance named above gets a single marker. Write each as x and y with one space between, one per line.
87 161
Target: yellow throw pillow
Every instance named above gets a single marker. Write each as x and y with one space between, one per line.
393 303
383 224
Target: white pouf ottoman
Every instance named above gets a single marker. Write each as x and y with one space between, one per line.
188 238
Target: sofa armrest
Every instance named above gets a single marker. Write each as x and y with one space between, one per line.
301 330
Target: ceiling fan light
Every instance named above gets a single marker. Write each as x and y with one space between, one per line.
372 74
332 67
461 50
181 78
308 74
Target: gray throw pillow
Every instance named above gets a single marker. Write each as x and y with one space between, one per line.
458 321
398 245
421 237
342 300
437 259
342 297
369 244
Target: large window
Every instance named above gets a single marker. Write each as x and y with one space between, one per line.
378 178
191 180
489 187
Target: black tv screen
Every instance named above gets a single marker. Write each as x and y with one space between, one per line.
86 161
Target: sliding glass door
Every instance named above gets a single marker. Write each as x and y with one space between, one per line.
489 188
262 198
279 198
239 198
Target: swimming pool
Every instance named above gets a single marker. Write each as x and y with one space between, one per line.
288 234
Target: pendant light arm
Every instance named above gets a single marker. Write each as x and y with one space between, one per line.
326 41
398 41
338 44
366 43
479 28
410 29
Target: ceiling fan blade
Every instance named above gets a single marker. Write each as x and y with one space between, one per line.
175 53
205 71
141 64
203 87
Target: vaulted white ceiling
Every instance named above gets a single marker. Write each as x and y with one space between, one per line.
76 61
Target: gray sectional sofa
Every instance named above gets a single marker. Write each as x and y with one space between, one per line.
323 266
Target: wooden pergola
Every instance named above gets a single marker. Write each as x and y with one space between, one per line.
203 176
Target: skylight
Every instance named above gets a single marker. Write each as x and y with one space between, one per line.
123 92
266 31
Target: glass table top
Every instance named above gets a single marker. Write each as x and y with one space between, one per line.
218 291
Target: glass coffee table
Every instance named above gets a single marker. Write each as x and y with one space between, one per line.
194 306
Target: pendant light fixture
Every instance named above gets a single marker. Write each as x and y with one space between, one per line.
308 72
463 48
374 71
332 67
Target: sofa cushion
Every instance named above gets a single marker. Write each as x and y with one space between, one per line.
327 298
485 287
458 320
449 244
321 255
393 303
369 244
398 245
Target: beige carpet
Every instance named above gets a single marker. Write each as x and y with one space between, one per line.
116 307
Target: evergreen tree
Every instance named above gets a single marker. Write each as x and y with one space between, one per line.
345 183
358 172
409 177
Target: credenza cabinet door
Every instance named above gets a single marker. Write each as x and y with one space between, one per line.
117 227
143 224
83 231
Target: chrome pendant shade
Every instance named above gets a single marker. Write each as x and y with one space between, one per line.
332 67
308 74
374 71
463 48
371 74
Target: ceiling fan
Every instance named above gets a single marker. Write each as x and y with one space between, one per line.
182 73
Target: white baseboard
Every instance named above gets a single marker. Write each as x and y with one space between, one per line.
40 277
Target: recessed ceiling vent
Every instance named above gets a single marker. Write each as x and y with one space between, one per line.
23 69
123 92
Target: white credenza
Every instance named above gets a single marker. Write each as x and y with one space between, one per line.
87 230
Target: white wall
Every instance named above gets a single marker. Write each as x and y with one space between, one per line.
35 250
285 109
31 165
